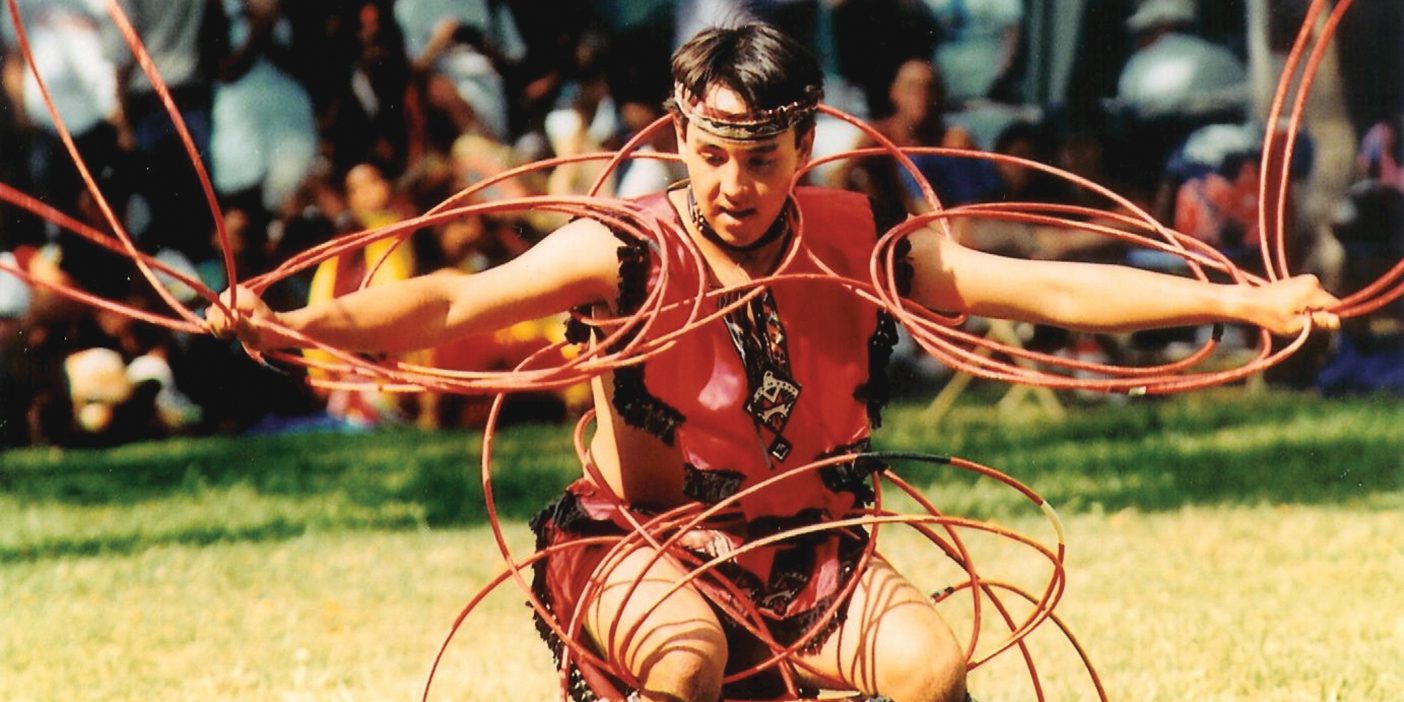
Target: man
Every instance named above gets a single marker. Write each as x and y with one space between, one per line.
792 374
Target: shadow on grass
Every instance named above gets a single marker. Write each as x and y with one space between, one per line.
1167 454
1150 456
112 544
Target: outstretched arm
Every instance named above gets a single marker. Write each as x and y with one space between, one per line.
1097 297
575 265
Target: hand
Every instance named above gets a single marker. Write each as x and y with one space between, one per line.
248 322
1285 306
442 35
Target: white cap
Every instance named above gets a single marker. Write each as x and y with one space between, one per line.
97 376
1153 13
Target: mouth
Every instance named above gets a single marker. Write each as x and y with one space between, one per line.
737 214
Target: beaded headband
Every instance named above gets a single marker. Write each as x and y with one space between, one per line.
756 125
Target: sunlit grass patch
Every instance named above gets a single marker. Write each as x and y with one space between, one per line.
1221 547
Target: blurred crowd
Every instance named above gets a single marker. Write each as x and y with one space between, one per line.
322 119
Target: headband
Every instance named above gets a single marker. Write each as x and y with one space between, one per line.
756 125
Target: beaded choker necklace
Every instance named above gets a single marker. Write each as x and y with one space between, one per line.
779 228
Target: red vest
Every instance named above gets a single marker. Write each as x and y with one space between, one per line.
827 330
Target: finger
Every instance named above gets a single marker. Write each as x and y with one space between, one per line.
1324 300
221 324
214 318
1322 319
222 329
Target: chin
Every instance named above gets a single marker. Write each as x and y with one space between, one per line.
742 237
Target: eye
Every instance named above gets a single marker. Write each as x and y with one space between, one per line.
713 159
762 163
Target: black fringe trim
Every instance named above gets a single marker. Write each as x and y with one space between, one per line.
563 513
762 527
877 391
633 273
710 486
790 576
789 630
640 409
633 255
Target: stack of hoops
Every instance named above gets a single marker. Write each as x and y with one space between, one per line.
632 340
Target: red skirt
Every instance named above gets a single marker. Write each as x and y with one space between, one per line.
791 583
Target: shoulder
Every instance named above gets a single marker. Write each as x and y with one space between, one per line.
582 237
844 209
583 251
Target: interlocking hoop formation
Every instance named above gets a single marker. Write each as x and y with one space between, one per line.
633 339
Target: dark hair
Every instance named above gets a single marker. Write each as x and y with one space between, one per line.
762 64
1022 130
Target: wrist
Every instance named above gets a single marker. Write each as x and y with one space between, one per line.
290 328
271 334
1240 304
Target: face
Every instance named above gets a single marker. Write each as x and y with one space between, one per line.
367 191
458 238
916 90
740 187
1017 177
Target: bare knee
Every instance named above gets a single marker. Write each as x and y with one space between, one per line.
684 673
930 680
928 667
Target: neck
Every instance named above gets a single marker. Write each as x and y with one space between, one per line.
779 229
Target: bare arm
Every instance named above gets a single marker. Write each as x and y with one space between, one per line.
575 265
1096 297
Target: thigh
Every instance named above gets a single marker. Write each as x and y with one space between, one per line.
635 593
892 639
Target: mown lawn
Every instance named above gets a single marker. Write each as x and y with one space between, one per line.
1222 547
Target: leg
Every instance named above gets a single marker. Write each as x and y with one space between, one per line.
679 652
893 643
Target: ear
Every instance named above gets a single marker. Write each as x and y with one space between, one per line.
806 146
680 130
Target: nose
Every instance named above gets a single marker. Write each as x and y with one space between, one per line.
736 185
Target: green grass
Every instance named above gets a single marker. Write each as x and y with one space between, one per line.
1220 448
1221 546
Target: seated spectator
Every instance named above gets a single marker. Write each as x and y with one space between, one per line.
265 136
1381 155
475 158
1217 198
1024 184
350 57
67 44
873 37
185 40
370 200
463 46
1214 179
608 112
1369 352
102 397
586 120
1031 142
1174 71
980 46
552 33
1172 84
918 100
